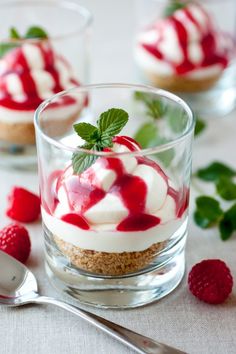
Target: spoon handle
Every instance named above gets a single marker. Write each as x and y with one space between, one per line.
137 342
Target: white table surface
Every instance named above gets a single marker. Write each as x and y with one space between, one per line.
179 319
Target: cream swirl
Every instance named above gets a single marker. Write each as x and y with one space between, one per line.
32 73
184 44
123 193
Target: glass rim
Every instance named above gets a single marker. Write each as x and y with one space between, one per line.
64 4
146 88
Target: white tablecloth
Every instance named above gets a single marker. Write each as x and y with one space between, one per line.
179 319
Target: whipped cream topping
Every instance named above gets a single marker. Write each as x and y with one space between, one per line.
184 44
116 195
32 73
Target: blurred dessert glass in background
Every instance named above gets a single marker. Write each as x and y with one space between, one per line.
188 47
43 50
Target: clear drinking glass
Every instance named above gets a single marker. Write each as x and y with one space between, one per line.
36 64
115 234
188 47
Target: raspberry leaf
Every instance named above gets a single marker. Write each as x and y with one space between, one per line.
226 188
228 224
208 212
215 171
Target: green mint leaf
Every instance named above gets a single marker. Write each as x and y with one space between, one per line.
112 121
36 32
14 34
105 140
208 212
172 7
6 47
81 161
177 119
165 156
155 108
228 223
87 131
226 188
200 126
146 135
214 171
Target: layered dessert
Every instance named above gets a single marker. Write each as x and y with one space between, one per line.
30 72
184 51
115 216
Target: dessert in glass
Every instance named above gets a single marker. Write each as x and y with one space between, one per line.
114 214
38 58
186 46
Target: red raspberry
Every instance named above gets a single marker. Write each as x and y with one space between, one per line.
23 205
14 240
210 281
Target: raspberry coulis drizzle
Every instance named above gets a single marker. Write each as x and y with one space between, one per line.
16 63
83 192
207 44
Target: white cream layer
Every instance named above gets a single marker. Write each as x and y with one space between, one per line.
58 113
101 240
148 63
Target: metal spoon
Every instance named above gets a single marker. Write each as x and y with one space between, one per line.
18 286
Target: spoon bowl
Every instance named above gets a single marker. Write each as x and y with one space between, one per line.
18 286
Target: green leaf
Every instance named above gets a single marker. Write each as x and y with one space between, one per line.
177 119
208 212
155 108
14 34
36 32
173 6
146 135
6 47
228 223
226 188
200 126
112 121
105 140
165 156
87 131
81 161
214 171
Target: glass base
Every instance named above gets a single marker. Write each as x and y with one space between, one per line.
121 292
21 157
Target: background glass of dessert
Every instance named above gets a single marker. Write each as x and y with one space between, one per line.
43 50
188 47
115 232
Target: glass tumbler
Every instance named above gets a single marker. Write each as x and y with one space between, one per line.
188 47
115 219
43 50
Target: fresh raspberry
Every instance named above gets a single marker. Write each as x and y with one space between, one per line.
23 205
210 281
14 240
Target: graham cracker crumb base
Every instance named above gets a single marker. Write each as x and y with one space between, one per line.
108 263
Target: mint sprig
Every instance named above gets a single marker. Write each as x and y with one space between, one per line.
33 32
173 6
209 211
109 124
